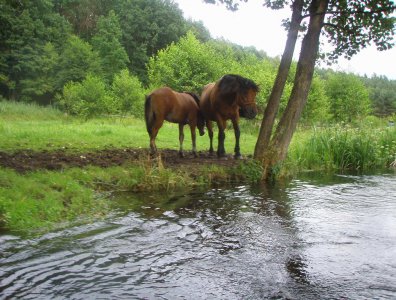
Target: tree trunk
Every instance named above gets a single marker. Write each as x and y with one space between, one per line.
277 150
273 102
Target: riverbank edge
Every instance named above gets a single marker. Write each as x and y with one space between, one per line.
43 200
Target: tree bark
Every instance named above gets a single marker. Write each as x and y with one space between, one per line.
272 107
277 150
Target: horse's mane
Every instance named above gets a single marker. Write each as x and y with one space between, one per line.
232 83
195 96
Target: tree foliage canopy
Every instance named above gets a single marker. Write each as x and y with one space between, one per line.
350 25
122 33
134 45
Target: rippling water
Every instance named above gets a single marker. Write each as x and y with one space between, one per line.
327 238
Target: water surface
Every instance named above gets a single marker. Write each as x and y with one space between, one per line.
316 237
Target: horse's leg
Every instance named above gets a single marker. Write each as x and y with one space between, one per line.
193 138
237 135
181 139
210 132
220 147
154 131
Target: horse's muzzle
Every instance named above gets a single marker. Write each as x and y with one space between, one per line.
201 132
248 112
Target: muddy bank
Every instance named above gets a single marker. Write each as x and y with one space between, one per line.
27 160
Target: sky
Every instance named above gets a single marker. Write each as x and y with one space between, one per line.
258 26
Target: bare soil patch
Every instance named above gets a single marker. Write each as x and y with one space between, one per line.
27 160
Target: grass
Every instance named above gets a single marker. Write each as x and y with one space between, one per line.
29 126
45 200
344 148
41 200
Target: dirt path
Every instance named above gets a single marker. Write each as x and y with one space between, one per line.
27 160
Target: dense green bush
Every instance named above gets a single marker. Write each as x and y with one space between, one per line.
87 99
92 97
128 94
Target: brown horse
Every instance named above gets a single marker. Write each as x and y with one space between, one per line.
231 97
182 108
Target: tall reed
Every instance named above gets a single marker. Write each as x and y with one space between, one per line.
345 148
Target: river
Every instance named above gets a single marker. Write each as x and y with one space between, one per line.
316 237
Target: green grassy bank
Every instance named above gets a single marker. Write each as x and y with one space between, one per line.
44 200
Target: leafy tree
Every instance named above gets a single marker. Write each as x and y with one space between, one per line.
199 30
41 84
27 30
83 14
107 43
128 94
382 93
76 61
349 98
147 27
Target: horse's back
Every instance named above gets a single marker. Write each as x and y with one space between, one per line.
163 95
162 100
173 106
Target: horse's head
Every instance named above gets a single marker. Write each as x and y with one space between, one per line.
244 93
246 98
247 104
201 123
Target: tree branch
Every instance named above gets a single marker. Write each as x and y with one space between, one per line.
351 12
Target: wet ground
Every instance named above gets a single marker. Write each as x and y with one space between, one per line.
28 160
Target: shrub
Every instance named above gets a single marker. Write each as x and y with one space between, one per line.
128 94
86 99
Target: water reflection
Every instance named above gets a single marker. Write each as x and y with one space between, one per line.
306 239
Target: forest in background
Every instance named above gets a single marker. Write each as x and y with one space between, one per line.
94 57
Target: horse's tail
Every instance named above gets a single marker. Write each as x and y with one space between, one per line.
195 97
149 114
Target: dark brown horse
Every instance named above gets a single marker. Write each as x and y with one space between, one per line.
182 108
231 97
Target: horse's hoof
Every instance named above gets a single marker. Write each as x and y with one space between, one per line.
238 156
222 156
181 155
